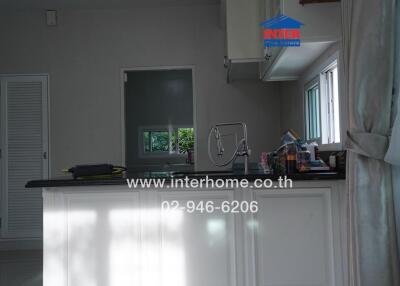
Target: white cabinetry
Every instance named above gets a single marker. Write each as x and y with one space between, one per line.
321 29
244 38
321 20
115 236
295 238
243 31
197 249
91 238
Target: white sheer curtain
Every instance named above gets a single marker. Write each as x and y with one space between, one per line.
368 55
393 154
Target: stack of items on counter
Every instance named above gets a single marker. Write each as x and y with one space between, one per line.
295 156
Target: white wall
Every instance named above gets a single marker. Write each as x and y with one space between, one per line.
292 107
84 55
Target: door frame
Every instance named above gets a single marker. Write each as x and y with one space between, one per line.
4 144
155 68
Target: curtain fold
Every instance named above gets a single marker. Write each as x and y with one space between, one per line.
396 186
393 153
368 53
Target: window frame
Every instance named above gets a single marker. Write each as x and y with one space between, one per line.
311 84
150 133
319 77
159 128
326 121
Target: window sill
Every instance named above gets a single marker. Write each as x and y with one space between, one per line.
331 147
161 155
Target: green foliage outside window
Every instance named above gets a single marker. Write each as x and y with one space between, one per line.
185 139
179 141
159 141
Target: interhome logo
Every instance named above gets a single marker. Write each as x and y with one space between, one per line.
281 31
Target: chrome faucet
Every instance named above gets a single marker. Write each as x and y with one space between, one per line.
242 148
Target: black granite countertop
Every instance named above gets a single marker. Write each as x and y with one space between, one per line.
68 181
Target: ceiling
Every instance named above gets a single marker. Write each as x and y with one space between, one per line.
96 4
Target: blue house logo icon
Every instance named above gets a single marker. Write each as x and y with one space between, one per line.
281 31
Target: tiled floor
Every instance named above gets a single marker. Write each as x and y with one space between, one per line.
21 268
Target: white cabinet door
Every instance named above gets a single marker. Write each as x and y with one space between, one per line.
92 239
197 248
116 238
292 238
275 6
243 31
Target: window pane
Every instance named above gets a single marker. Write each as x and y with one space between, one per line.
336 106
317 110
332 106
311 115
313 102
176 140
329 92
314 114
159 141
155 141
185 139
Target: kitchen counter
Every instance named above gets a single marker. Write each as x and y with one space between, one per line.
96 231
68 181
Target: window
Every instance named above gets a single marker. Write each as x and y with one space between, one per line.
313 112
322 107
167 141
331 122
183 140
156 141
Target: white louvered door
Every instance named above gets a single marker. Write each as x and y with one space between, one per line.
24 145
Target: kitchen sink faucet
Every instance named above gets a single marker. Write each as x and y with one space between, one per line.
242 148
